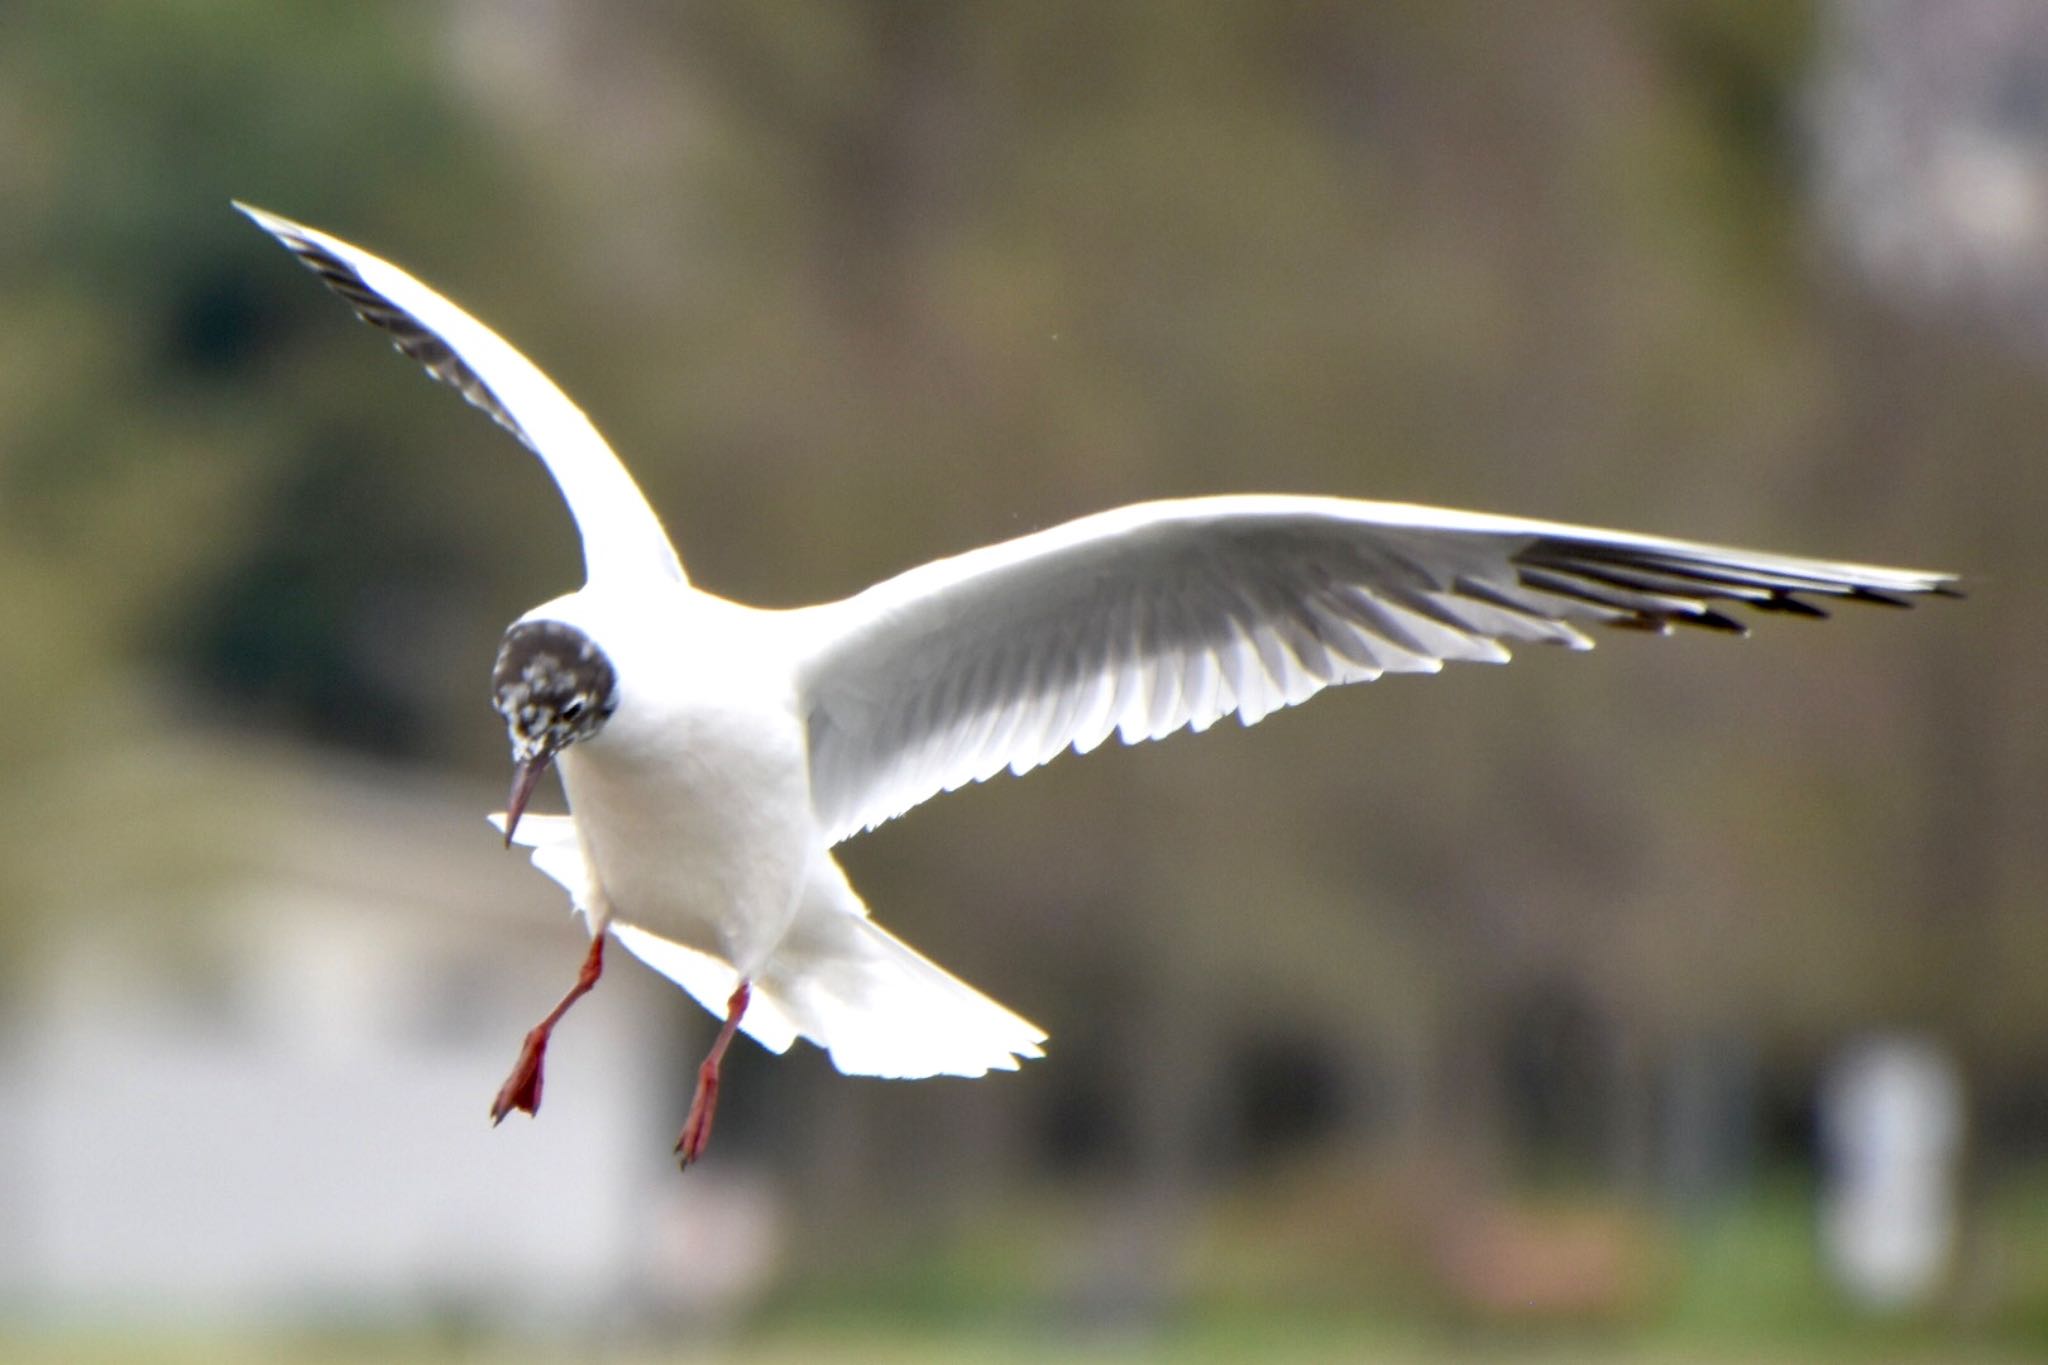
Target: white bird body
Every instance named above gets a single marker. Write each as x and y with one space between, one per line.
743 744
693 801
692 828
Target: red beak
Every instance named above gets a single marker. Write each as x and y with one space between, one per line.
525 776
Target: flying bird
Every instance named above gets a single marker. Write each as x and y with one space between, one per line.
713 754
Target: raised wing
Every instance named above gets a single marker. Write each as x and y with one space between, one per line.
1165 615
622 538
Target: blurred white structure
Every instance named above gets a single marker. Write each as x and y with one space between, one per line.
1930 122
262 1094
1891 1114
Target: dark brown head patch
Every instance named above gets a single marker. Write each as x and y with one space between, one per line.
553 686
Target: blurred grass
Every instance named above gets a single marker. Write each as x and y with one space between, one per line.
1751 1289
1358 1342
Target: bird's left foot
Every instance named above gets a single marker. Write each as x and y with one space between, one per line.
696 1134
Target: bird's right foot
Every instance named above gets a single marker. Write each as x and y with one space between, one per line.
521 1089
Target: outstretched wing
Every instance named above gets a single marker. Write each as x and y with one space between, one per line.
1165 615
622 538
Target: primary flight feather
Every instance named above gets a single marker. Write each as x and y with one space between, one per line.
712 754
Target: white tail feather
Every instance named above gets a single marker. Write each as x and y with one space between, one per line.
883 1009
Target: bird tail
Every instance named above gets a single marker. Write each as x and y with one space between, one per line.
880 1007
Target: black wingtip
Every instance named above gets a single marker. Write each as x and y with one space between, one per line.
1786 604
1715 620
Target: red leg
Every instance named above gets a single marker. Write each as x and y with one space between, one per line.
704 1104
521 1089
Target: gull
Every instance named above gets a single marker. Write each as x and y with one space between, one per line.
713 754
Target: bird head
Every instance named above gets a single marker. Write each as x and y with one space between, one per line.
553 686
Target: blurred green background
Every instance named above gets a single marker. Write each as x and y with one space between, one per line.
1484 1017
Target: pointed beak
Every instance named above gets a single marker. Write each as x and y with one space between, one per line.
525 776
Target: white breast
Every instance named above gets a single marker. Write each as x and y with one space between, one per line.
693 802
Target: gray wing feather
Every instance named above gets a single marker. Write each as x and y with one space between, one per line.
622 538
1169 616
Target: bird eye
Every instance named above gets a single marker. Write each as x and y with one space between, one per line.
573 709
